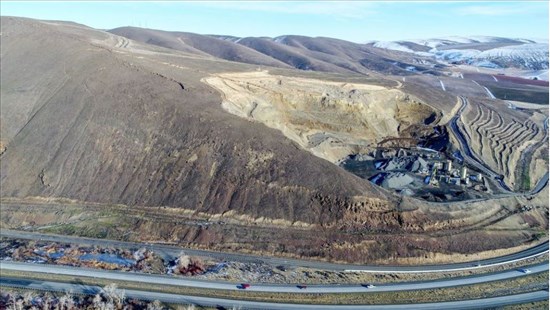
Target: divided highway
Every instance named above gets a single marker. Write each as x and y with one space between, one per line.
265 287
218 302
169 251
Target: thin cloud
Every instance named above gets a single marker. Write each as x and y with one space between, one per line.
499 9
342 9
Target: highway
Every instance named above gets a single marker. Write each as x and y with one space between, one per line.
266 287
170 251
218 302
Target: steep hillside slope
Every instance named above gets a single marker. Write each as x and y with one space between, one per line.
98 128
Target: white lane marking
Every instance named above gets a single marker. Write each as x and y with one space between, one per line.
494 77
490 93
442 85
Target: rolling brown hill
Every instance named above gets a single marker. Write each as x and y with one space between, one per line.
92 126
198 44
108 137
300 52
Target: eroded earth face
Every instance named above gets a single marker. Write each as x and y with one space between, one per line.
329 119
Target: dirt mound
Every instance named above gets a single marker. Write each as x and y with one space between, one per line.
397 180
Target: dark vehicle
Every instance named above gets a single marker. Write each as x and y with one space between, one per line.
301 286
243 286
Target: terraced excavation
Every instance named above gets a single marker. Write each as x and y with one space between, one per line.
502 140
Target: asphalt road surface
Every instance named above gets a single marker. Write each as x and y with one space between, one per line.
264 287
217 302
170 252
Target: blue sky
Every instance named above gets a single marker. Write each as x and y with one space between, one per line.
357 21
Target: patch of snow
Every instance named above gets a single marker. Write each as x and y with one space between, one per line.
485 64
442 85
433 43
392 46
280 39
425 54
538 74
455 55
487 39
531 55
529 41
457 39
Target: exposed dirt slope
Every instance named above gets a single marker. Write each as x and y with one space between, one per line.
330 119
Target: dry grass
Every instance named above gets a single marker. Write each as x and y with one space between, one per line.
141 224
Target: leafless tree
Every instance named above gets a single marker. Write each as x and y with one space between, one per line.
155 305
28 297
114 295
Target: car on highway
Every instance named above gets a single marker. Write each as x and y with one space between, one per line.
525 270
301 286
368 285
243 286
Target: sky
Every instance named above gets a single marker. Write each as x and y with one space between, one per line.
356 21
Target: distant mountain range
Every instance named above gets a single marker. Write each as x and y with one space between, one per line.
305 53
334 55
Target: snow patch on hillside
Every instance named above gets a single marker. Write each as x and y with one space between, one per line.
528 55
281 39
392 46
536 50
538 74
454 55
